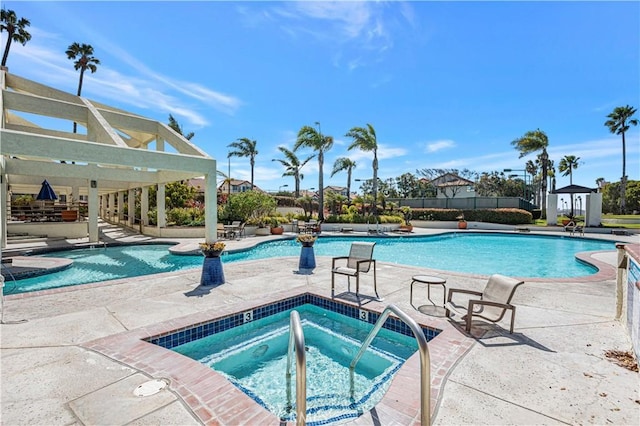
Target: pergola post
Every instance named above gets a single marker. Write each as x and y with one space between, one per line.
3 205
93 206
112 205
131 208
120 206
161 206
210 206
144 205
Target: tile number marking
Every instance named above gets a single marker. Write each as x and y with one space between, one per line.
247 316
363 315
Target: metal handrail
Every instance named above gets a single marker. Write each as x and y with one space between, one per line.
296 341
2 321
425 373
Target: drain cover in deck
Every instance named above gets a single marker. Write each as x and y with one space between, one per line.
149 388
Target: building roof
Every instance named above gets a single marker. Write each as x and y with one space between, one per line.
574 189
111 146
450 179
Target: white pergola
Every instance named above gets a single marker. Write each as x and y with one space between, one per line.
111 157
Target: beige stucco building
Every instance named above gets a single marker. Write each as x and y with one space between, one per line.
114 152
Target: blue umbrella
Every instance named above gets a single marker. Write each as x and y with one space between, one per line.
46 192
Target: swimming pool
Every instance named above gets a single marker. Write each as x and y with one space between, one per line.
478 253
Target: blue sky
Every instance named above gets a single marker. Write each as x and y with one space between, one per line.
445 84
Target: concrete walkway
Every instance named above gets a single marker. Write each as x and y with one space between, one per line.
552 370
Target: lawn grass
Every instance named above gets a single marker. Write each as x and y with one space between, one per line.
620 216
543 222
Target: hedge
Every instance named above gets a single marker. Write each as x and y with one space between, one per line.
502 216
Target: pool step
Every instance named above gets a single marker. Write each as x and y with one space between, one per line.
323 409
23 236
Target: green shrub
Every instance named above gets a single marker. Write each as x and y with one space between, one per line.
185 216
153 216
358 218
502 216
285 201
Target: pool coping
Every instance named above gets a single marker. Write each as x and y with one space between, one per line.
216 401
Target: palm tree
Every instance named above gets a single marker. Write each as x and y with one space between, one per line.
566 166
312 138
532 141
85 61
532 168
245 147
344 163
618 123
15 29
364 138
551 175
292 165
173 123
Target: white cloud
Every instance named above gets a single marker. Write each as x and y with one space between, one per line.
439 145
142 87
354 30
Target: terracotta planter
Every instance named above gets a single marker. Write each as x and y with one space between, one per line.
69 215
462 225
406 228
277 230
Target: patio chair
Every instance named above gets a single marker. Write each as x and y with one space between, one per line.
221 231
494 301
358 262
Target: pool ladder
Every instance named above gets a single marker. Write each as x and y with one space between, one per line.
296 338
2 307
296 341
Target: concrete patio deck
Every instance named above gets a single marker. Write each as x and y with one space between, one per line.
58 368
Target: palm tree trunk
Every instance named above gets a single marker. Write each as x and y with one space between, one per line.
349 186
75 125
321 186
253 163
623 180
6 50
374 209
545 161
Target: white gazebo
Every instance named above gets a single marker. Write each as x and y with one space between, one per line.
118 152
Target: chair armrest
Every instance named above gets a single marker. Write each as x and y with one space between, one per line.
364 261
333 261
461 290
488 303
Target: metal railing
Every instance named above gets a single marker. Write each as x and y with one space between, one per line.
296 341
425 373
2 307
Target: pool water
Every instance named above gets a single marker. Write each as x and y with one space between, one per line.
254 358
515 255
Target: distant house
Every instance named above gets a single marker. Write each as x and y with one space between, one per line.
197 183
450 185
237 186
337 189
